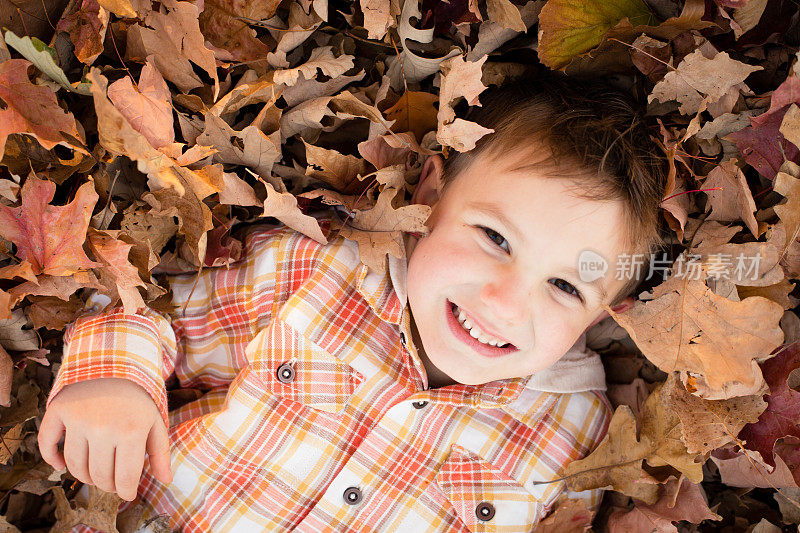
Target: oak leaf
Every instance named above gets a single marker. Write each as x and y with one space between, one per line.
712 341
379 230
283 206
50 237
734 201
459 79
697 77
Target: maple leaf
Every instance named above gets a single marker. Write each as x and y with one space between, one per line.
713 341
33 110
50 237
782 416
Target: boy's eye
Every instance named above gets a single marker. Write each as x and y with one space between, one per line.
495 237
567 287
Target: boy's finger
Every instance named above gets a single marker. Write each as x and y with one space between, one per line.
76 453
158 450
128 463
50 432
101 466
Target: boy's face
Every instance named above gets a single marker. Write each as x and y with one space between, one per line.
508 277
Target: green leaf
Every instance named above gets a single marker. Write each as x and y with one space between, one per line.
568 28
44 58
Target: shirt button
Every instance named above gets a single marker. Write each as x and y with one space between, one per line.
352 495
285 373
419 405
484 511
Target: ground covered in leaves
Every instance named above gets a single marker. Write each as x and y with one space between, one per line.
138 137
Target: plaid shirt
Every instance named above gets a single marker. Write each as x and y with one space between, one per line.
317 416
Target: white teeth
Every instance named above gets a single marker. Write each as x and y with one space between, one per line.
474 330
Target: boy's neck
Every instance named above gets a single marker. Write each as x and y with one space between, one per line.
435 377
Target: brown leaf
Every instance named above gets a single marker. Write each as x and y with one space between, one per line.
414 112
147 107
220 25
459 79
53 313
688 504
283 206
710 424
749 470
87 29
33 110
334 168
10 442
734 201
697 77
506 14
249 147
99 512
174 39
50 237
113 254
378 17
379 230
710 339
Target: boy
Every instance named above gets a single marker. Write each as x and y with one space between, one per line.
428 398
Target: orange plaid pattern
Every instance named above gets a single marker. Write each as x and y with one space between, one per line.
316 416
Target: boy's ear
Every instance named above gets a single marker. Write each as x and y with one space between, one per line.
621 307
429 187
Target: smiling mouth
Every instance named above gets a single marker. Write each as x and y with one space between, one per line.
471 334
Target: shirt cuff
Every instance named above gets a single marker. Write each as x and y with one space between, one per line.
115 345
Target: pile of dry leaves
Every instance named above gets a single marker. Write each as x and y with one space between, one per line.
137 136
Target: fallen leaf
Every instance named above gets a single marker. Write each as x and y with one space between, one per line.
221 24
283 206
33 110
50 237
782 416
697 77
687 327
568 28
87 29
147 106
99 512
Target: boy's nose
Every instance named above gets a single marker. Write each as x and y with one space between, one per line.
507 300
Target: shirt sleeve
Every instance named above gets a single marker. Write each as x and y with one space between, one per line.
588 434
217 312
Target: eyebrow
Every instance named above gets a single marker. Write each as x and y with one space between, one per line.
595 286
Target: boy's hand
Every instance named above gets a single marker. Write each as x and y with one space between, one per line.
107 424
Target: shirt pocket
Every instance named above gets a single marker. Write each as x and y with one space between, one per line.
485 498
293 368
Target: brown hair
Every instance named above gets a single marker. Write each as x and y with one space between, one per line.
587 126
